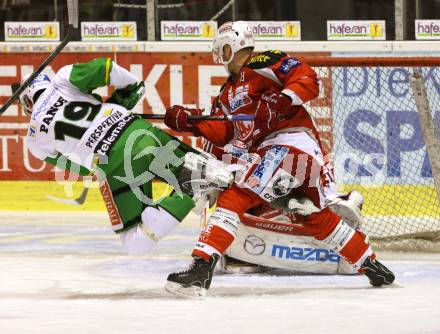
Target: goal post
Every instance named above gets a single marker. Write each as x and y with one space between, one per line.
427 125
374 131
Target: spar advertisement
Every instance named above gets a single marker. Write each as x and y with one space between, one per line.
368 117
376 130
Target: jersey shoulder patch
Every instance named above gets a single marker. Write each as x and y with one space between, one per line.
288 64
265 59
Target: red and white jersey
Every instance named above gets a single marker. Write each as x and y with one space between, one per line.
241 95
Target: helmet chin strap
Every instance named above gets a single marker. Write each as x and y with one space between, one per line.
239 65
226 63
227 68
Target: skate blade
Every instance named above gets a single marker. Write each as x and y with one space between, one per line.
185 292
392 285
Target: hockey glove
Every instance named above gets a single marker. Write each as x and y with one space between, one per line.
177 118
278 104
128 96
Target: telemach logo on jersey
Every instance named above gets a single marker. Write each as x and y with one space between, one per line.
104 146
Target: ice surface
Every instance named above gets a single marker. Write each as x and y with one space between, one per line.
63 274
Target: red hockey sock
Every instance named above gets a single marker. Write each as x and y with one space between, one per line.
216 241
356 250
218 235
349 243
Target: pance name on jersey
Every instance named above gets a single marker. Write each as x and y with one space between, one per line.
51 114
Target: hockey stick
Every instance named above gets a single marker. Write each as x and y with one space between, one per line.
76 201
234 118
72 9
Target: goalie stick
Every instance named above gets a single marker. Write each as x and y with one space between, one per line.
234 118
72 9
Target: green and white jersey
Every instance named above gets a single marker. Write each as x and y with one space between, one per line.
68 120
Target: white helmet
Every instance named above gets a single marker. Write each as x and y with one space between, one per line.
29 96
238 35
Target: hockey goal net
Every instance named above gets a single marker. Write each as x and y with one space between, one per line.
371 124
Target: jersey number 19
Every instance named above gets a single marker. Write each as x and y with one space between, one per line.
75 111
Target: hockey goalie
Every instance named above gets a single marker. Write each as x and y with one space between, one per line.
268 239
283 163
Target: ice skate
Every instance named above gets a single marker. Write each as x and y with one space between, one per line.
377 273
194 281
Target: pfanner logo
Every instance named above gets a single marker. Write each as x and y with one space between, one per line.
32 31
276 30
239 98
356 30
304 254
427 29
108 31
188 30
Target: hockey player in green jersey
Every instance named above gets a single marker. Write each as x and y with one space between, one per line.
71 127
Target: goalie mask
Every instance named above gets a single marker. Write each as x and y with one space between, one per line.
31 94
238 35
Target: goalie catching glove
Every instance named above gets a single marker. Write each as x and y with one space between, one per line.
278 104
128 96
273 108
